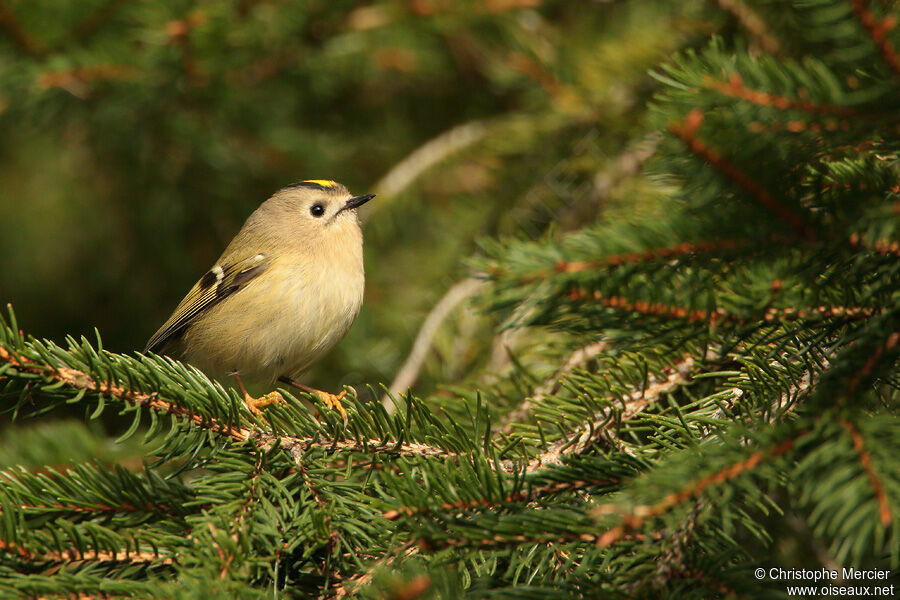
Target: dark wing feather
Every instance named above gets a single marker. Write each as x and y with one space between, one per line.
217 284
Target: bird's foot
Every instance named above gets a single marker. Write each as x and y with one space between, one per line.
334 401
256 404
330 400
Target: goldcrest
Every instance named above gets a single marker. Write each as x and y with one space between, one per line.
283 293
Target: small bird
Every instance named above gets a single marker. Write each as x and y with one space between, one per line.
283 293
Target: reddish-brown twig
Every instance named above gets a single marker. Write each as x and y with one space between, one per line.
531 495
866 460
718 315
878 31
637 516
735 88
687 132
889 344
667 252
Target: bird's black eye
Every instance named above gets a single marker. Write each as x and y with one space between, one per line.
317 210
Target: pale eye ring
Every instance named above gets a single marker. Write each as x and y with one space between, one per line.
317 210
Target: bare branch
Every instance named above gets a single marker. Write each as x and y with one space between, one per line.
411 368
425 157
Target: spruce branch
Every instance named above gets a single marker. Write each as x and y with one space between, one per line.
686 130
77 555
92 490
91 541
569 526
667 253
296 446
833 467
531 495
81 380
644 308
878 30
874 359
720 315
509 539
552 385
98 508
865 459
790 397
584 438
66 584
735 88
637 516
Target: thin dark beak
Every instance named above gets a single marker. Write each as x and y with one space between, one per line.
357 201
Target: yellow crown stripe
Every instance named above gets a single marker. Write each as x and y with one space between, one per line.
322 182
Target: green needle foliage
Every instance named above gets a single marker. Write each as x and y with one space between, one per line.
684 365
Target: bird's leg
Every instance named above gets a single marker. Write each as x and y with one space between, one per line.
330 400
255 404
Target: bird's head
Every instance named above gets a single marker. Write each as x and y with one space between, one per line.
318 210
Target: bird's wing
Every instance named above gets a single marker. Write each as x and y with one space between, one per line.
217 284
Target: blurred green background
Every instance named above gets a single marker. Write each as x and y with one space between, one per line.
135 138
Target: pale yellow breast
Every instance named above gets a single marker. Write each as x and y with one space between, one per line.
286 319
